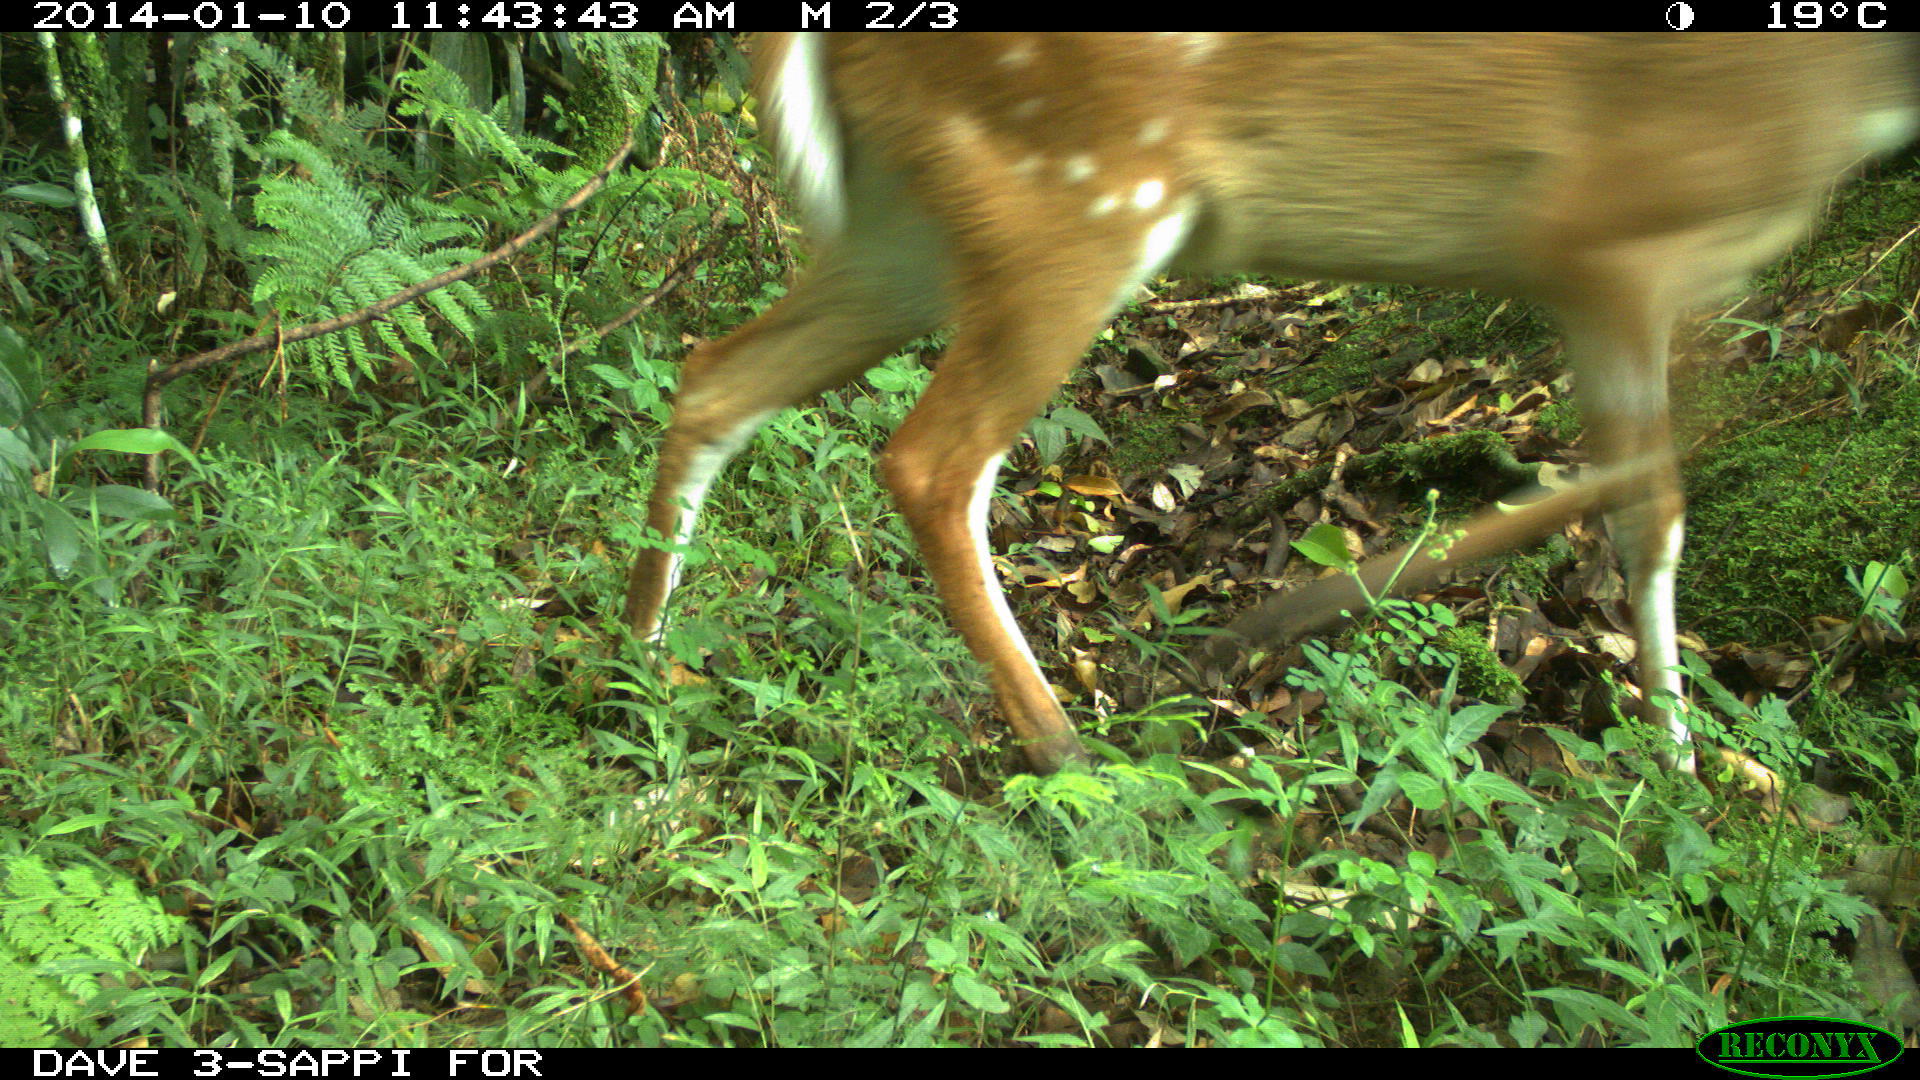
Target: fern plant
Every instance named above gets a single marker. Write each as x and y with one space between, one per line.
326 247
440 97
61 931
329 248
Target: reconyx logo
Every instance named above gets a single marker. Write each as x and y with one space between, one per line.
1800 1047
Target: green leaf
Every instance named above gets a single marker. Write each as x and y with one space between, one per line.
77 823
213 971
1079 423
895 379
61 535
54 195
1495 788
1326 545
1423 791
131 441
1888 578
978 994
453 959
15 454
121 501
1049 438
613 376
18 377
1469 722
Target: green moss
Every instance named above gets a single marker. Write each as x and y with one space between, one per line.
1560 421
1390 324
1779 511
1479 454
1813 459
1482 675
1836 254
1467 467
1144 442
1531 572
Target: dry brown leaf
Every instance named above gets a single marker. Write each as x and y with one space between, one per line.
1093 485
1087 670
600 960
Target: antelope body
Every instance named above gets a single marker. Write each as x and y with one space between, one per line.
1023 185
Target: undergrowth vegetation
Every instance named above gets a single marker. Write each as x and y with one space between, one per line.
335 738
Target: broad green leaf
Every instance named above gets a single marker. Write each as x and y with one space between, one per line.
131 441
121 501
1326 545
61 535
54 195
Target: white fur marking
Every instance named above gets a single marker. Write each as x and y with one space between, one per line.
1197 47
1653 603
1163 242
989 578
1103 206
1887 130
1148 195
1157 249
808 134
706 464
1077 168
1153 131
964 130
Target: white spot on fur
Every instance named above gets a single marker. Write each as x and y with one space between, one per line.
1157 248
1103 206
1154 130
1019 56
964 130
1194 48
1163 242
1148 195
1077 169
